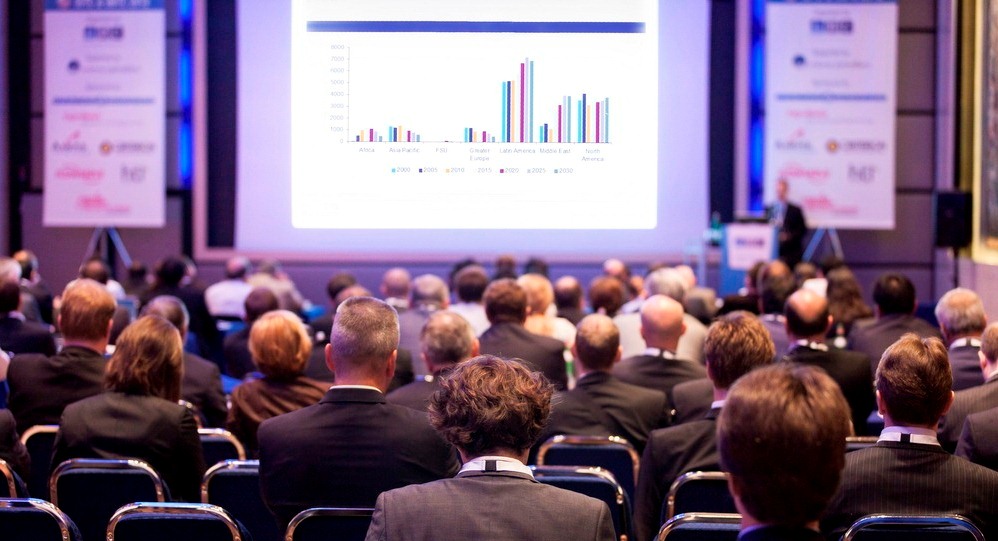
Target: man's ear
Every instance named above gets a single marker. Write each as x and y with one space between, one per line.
330 363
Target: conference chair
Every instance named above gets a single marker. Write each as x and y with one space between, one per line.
149 521
32 519
699 492
39 441
219 444
913 528
194 411
595 483
855 443
701 527
11 485
325 523
611 453
235 486
91 490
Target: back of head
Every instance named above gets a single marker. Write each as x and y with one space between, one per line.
736 344
446 339
536 265
365 333
843 286
894 294
914 380
279 344
617 269
505 267
28 261
260 301
668 282
752 276
961 313
807 314
775 285
171 271
606 295
505 302
171 309
10 296
488 405
661 319
10 270
95 269
805 270
830 263
355 290
686 271
87 309
395 283
338 282
429 291
269 266
238 267
148 360
782 437
989 343
597 342
470 283
540 294
567 292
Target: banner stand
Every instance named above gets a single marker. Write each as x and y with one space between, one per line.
816 238
111 247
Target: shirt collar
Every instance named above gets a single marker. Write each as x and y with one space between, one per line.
717 404
14 314
965 342
909 434
810 344
490 463
356 387
657 352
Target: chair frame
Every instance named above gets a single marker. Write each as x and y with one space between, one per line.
701 518
127 464
194 411
9 474
224 465
61 518
589 440
955 521
861 442
687 478
226 435
595 471
48 429
324 512
174 508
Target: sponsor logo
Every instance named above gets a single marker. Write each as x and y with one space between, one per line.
126 147
825 26
81 116
799 60
801 172
796 142
103 33
97 202
133 173
73 66
862 173
750 243
83 174
862 145
71 144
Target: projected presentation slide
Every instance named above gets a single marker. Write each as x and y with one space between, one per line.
532 110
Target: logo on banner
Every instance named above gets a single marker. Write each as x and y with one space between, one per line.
819 26
133 173
750 242
796 142
856 145
103 33
73 172
126 147
73 144
796 171
64 4
862 173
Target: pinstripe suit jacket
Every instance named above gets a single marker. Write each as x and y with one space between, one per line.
966 402
909 478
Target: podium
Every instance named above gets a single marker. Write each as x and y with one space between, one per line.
742 245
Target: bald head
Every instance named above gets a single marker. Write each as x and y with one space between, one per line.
597 343
615 268
395 283
807 315
662 322
236 268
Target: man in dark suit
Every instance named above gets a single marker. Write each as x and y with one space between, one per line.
907 471
238 361
506 308
788 219
492 410
429 293
11 448
962 320
776 284
691 400
352 445
736 344
202 383
781 438
658 368
600 403
18 335
40 386
894 295
33 283
979 439
446 340
808 322
974 399
568 298
170 275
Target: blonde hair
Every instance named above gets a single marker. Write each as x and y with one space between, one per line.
279 344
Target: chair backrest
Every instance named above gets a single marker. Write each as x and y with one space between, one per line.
325 523
610 453
31 519
194 411
855 443
595 483
912 528
149 521
11 485
39 441
91 490
235 486
219 444
699 492
701 527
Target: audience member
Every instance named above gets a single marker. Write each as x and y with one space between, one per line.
33 283
782 437
536 265
137 282
505 268
40 386
974 399
736 344
807 326
492 411
568 299
962 320
17 334
270 274
606 295
845 304
540 318
238 360
352 445
668 282
446 340
226 298
395 288
979 439
138 416
170 276
469 285
699 302
11 448
907 472
429 294
97 270
321 325
776 284
806 274
747 297
506 308
10 271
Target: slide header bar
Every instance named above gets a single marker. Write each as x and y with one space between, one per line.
512 27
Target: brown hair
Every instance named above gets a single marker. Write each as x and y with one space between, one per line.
488 404
148 360
505 302
606 295
364 335
87 309
845 297
279 344
735 345
597 341
989 342
914 380
782 437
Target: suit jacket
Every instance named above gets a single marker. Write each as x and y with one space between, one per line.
26 336
909 478
979 439
690 343
966 367
415 395
119 425
410 326
235 349
345 450
40 387
202 386
541 353
691 400
967 401
874 336
851 370
316 368
794 228
257 400
781 533
600 402
658 373
11 448
488 505
202 322
670 453
777 328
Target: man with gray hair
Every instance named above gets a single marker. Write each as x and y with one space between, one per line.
962 320
974 399
446 340
10 271
671 283
429 293
395 288
352 445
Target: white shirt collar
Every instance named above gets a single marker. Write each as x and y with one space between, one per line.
717 404
909 434
964 342
495 463
656 352
16 315
802 343
356 387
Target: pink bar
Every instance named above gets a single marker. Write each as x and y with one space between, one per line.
408 136
372 134
559 123
485 139
522 98
597 123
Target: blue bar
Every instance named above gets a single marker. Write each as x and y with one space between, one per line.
490 27
417 139
381 139
509 111
531 131
502 128
358 138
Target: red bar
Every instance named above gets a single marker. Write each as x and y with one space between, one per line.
597 122
559 123
522 97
